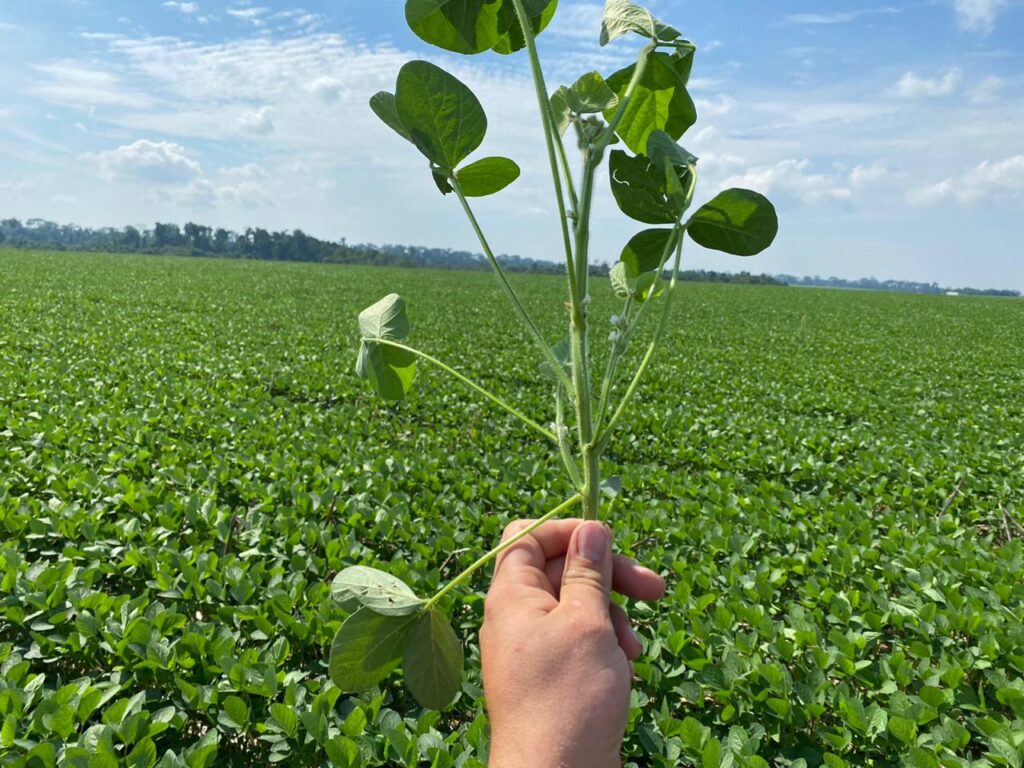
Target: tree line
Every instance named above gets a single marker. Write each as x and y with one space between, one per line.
898 286
257 243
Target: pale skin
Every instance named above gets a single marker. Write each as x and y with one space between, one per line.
557 653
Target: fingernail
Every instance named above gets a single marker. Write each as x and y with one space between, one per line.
593 542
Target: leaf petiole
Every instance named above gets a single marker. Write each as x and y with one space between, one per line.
471 384
463 577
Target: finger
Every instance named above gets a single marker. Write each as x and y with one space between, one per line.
522 563
629 641
587 579
629 578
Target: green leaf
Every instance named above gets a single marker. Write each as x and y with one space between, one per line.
386 319
462 26
433 661
285 717
487 176
366 649
389 370
143 756
510 37
234 713
622 16
620 283
677 164
711 755
647 251
379 591
641 189
737 221
442 116
560 110
475 26
660 101
383 105
903 729
591 94
562 352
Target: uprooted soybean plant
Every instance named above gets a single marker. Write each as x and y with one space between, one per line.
644 108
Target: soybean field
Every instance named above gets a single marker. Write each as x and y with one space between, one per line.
832 483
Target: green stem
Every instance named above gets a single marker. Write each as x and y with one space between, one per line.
607 431
563 442
463 577
545 349
613 361
471 384
551 136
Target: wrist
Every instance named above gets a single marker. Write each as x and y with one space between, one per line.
528 748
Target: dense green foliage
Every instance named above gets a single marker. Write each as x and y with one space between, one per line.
189 459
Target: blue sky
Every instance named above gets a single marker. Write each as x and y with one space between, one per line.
888 134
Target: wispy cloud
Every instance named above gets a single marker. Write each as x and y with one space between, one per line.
253 16
913 86
978 15
186 8
839 17
987 179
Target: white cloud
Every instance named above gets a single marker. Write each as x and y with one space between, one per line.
988 90
839 17
259 121
72 84
160 162
186 8
978 15
912 85
793 177
251 15
980 183
866 175
8 27
723 104
16 187
327 89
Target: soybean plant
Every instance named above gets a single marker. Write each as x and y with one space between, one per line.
647 109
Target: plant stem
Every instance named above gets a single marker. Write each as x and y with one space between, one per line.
618 347
545 349
551 136
471 384
607 431
463 577
563 442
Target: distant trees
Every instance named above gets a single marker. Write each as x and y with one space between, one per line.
256 243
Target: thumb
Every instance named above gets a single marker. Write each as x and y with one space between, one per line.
587 579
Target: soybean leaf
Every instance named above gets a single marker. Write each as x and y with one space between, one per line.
622 16
475 26
377 590
366 649
560 109
143 755
677 164
646 252
641 189
444 119
591 94
285 717
659 102
487 176
737 221
433 661
562 352
611 487
234 713
383 105
620 283
385 320
462 26
390 371
510 33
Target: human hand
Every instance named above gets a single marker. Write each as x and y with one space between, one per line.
557 653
